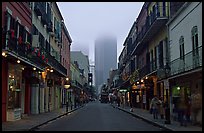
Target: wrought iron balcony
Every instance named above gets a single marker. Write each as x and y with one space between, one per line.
11 44
55 64
190 61
154 22
148 68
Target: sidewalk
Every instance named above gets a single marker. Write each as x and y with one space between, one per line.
145 115
33 121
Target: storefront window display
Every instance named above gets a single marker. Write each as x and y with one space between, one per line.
14 86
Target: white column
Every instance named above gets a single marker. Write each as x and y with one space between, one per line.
34 98
42 101
52 98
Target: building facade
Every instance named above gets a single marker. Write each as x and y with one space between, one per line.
83 62
163 55
32 82
65 57
16 66
185 38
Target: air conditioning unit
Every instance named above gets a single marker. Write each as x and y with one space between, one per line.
35 41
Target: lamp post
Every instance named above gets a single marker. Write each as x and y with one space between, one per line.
166 83
67 86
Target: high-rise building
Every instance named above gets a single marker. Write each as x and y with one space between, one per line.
105 58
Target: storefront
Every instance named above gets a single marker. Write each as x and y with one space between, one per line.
16 89
191 90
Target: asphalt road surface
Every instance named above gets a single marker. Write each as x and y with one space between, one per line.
96 116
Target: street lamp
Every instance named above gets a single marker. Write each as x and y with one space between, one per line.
167 109
67 86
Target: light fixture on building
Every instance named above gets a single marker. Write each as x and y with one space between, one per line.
48 69
9 76
134 86
22 68
44 75
51 70
34 68
18 61
39 72
4 54
142 80
146 77
178 88
138 82
67 83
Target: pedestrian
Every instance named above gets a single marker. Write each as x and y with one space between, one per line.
161 108
154 105
182 109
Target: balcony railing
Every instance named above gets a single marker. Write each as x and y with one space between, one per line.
148 68
55 64
153 23
190 61
24 50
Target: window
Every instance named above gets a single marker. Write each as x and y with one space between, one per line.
164 9
8 19
151 60
155 54
30 5
34 30
194 32
181 44
160 54
195 51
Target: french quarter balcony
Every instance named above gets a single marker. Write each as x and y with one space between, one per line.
56 65
189 61
147 69
13 45
154 22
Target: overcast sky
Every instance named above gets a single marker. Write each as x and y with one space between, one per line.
86 21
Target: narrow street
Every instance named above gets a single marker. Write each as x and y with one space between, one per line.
102 66
96 116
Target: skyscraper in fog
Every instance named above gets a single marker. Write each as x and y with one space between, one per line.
105 58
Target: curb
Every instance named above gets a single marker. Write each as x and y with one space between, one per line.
37 127
145 119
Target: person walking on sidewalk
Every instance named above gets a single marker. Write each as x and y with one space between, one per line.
182 109
155 106
161 108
